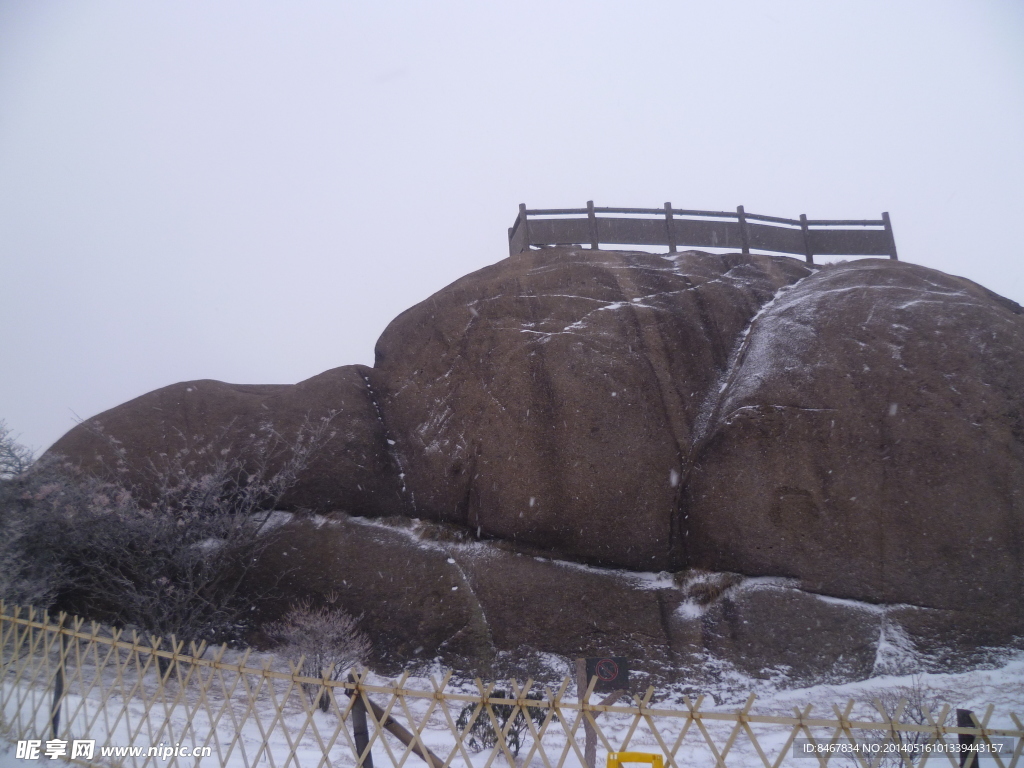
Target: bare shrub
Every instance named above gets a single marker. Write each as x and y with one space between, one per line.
922 705
326 640
917 703
14 457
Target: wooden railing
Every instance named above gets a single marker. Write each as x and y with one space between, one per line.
675 227
69 685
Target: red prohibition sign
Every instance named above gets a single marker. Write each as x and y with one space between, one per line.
607 670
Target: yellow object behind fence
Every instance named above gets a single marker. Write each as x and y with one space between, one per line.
616 759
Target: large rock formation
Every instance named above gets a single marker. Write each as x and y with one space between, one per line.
555 398
856 430
353 470
870 441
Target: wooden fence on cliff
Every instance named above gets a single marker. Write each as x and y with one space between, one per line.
65 682
675 227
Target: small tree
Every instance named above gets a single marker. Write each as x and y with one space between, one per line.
327 640
922 705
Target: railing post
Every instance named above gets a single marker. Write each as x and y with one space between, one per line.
668 226
892 238
592 218
523 225
744 237
808 255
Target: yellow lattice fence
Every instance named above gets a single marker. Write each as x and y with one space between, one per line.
65 682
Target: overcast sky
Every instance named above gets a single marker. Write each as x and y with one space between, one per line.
251 191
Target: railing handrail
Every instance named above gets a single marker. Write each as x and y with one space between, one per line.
705 214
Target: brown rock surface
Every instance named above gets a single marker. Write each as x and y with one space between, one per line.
354 471
766 630
863 433
857 428
413 601
483 609
870 442
466 602
552 399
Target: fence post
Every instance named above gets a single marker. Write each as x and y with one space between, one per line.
808 255
965 719
383 720
359 730
590 740
892 238
58 681
592 218
744 238
671 231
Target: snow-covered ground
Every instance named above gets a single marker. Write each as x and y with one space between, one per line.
1002 687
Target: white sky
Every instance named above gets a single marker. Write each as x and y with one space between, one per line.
251 191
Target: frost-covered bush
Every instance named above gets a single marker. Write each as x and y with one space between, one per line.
28 576
169 560
327 640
